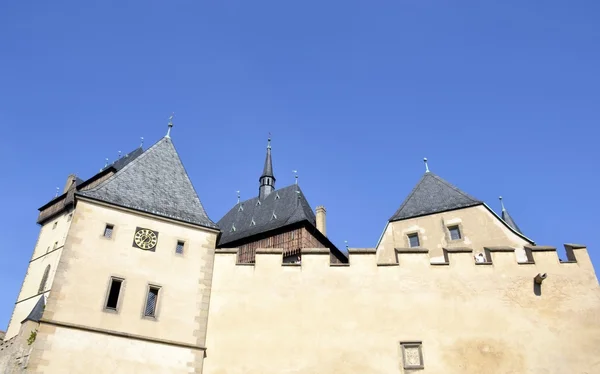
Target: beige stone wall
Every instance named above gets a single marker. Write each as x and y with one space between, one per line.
479 228
471 319
81 283
47 251
15 352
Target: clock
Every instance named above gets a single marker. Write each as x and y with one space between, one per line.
145 238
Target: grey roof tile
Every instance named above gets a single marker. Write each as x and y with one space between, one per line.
433 195
153 181
37 311
288 203
509 221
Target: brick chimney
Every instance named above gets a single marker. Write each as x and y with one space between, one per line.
321 225
70 179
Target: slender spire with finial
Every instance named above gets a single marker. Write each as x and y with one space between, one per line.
346 242
238 196
507 218
57 189
142 142
267 178
106 162
119 157
170 125
295 175
426 165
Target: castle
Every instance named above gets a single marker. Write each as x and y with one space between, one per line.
129 274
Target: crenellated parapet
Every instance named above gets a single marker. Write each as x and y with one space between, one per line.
501 258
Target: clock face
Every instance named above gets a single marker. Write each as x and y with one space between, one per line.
145 238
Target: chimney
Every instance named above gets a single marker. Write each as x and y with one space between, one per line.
70 180
321 226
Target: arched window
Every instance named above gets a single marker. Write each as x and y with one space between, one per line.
44 280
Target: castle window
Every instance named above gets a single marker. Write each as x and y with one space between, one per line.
412 355
454 232
44 280
108 231
55 224
179 247
114 290
413 240
151 301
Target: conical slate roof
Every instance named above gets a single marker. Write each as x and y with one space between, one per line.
433 195
154 182
280 208
37 311
509 221
268 168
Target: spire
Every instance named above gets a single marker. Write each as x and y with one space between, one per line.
170 125
267 179
426 166
507 218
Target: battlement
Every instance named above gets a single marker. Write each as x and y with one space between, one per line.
501 258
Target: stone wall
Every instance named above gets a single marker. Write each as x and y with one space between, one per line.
368 317
15 351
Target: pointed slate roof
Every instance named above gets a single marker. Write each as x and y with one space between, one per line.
37 311
255 216
268 168
123 161
509 221
433 195
155 182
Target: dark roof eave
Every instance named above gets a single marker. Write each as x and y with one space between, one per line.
237 242
441 211
212 228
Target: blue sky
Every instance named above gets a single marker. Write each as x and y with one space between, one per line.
502 97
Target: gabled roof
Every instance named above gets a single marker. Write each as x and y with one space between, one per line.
433 195
37 311
155 182
509 221
280 208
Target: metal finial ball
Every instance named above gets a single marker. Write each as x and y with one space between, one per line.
500 197
425 159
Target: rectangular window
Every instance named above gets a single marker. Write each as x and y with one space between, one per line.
413 240
454 232
151 301
179 248
108 230
412 355
113 293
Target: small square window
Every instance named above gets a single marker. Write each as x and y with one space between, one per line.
179 248
151 301
114 291
412 355
54 226
413 240
108 231
454 232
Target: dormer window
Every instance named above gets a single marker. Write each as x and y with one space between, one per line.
274 216
232 228
241 208
277 196
252 223
257 202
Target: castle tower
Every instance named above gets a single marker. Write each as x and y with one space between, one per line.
129 274
267 179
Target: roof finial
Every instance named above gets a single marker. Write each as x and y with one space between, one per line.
501 203
269 141
142 143
170 124
238 196
426 166
56 192
345 241
106 162
118 158
295 175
